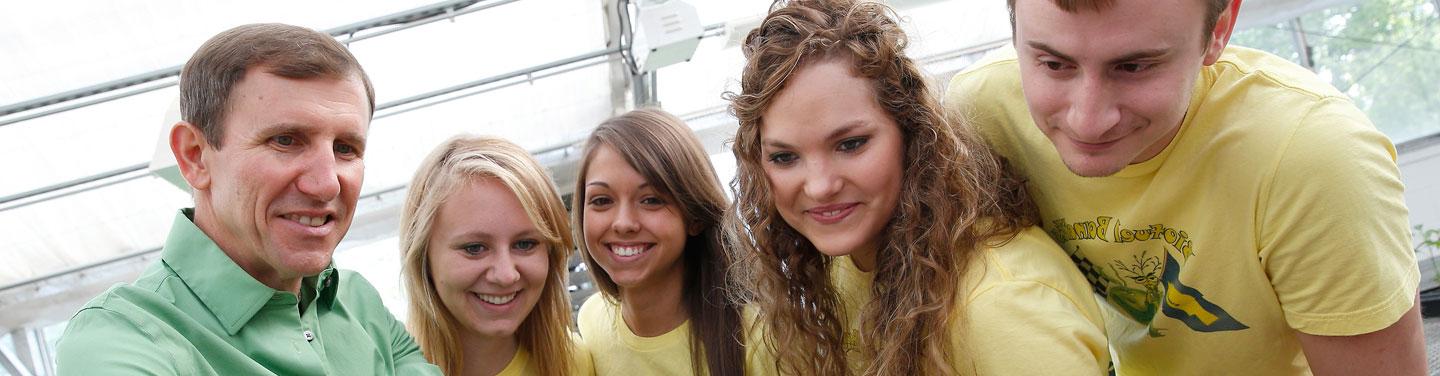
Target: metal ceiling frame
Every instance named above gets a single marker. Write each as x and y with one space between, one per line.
406 19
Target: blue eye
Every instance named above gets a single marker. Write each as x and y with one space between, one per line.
283 140
852 144
783 158
526 245
473 248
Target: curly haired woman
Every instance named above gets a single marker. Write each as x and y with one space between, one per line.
873 235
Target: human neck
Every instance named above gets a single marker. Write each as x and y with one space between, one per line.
655 308
864 258
486 356
203 217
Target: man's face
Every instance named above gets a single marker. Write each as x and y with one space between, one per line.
1110 88
283 186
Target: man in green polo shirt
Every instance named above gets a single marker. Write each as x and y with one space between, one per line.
273 143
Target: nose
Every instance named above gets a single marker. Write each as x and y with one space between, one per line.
502 272
821 182
625 219
319 177
1093 111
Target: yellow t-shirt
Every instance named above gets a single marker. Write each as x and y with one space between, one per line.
615 350
521 364
1277 207
1025 311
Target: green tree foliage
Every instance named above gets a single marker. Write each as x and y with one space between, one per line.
1383 53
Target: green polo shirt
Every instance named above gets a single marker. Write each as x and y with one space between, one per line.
197 313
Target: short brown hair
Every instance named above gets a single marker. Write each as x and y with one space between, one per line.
284 50
1212 10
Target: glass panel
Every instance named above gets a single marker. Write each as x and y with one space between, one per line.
82 142
52 335
61 42
7 344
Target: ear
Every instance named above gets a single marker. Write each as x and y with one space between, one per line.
1220 36
189 147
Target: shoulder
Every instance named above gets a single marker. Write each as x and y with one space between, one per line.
997 67
111 334
978 89
1029 268
354 283
1250 66
594 313
358 295
1029 296
122 306
595 306
1031 257
1274 99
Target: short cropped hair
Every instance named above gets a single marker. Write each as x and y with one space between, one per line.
282 50
1213 8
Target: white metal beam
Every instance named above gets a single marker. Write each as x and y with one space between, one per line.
12 363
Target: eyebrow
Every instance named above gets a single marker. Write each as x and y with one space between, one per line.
355 139
607 185
482 235
1133 55
471 236
846 128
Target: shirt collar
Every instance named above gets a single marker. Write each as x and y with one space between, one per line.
225 289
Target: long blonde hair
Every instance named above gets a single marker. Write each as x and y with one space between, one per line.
951 183
666 152
545 332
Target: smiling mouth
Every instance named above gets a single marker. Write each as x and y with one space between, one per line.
628 250
1094 146
309 221
496 299
831 213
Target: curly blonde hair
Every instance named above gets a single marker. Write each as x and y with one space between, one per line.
955 196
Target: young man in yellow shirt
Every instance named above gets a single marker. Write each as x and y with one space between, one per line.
1235 214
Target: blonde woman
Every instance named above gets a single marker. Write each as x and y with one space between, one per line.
874 237
484 240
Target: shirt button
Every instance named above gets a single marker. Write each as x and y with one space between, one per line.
309 336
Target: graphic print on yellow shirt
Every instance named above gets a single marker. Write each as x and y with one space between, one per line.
1149 280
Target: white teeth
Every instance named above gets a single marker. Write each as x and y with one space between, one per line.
627 250
497 299
831 213
308 221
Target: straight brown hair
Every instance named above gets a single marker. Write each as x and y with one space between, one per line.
667 153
